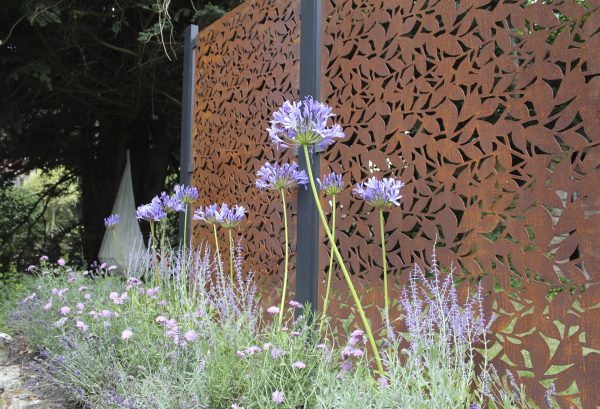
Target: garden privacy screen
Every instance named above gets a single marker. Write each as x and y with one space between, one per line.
489 111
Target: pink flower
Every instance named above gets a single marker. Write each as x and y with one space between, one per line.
295 304
113 295
80 306
299 365
112 268
126 334
273 310
240 354
105 313
383 382
54 291
152 292
44 258
252 350
161 319
276 353
65 310
267 346
191 336
62 292
278 397
31 268
102 266
81 325
60 262
48 305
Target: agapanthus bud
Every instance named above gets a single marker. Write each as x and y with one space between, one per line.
332 183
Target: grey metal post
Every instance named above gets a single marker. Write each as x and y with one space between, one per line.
187 119
307 256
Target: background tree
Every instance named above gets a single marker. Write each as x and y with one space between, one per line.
83 81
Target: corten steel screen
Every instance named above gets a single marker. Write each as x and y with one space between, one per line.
247 64
488 110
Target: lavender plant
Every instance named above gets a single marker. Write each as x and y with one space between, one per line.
305 125
273 176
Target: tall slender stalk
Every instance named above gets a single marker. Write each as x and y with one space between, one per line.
285 269
216 241
185 280
153 245
230 255
330 270
342 265
384 261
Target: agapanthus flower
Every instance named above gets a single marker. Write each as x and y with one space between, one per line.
332 183
304 124
299 365
231 217
171 204
151 212
111 221
208 214
277 177
380 193
278 397
126 334
186 194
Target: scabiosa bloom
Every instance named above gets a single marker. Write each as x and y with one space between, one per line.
277 177
151 212
231 217
111 221
278 397
80 306
276 353
191 336
44 258
31 268
303 124
186 194
299 365
207 214
380 193
273 310
294 304
81 325
48 305
127 333
384 383
65 310
332 183
61 262
252 350
171 204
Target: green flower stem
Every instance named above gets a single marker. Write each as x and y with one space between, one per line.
216 242
153 245
342 265
185 279
230 255
285 269
330 271
384 261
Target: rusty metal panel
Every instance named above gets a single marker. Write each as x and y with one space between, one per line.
247 65
490 112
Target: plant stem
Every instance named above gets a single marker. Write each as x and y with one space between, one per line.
330 271
153 245
384 261
216 242
342 265
285 269
185 280
230 255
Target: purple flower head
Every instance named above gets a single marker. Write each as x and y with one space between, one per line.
299 365
294 304
186 194
474 406
151 212
231 217
65 310
332 183
126 334
276 353
252 350
276 176
111 221
171 204
278 397
273 310
81 325
207 214
191 336
61 262
31 268
380 193
303 124
44 258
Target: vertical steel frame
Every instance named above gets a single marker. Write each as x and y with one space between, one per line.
186 164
